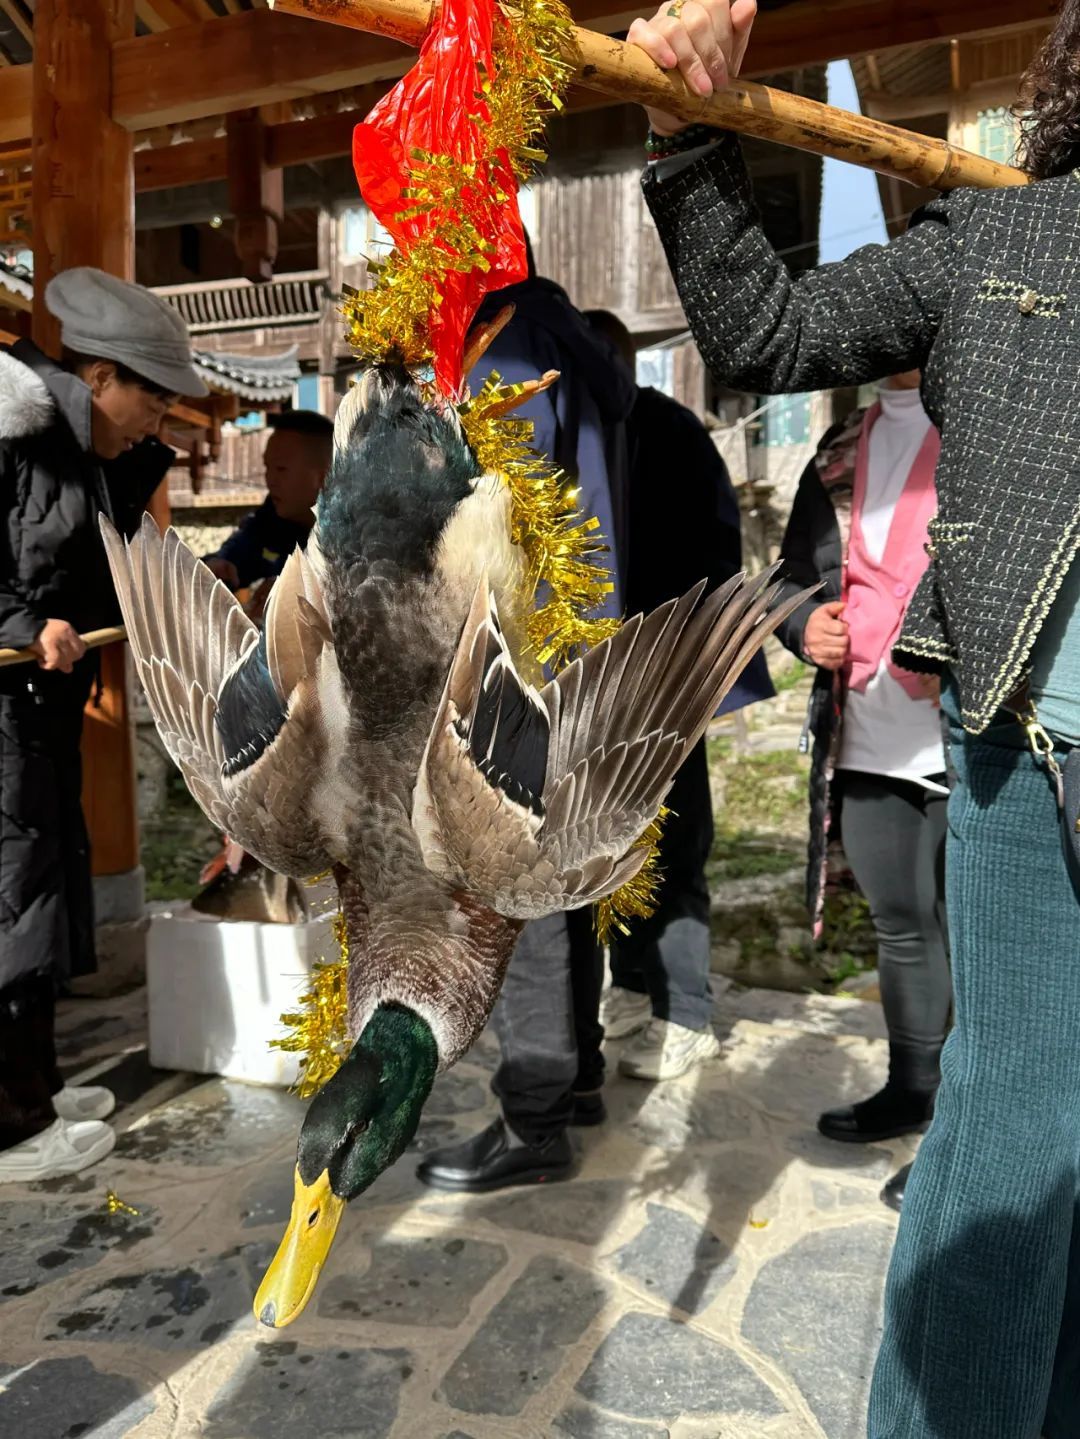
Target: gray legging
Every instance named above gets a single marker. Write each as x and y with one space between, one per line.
893 834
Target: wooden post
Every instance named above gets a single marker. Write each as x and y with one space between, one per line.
83 213
83 208
256 194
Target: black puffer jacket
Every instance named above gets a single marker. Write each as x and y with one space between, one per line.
52 566
52 491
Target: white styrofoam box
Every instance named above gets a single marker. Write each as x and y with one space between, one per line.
216 991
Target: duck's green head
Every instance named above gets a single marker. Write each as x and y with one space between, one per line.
356 1126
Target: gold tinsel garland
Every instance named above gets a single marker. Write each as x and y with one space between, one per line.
636 899
317 1028
560 545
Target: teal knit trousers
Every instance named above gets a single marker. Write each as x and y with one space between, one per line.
982 1306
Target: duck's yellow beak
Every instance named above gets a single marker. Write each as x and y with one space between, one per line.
288 1283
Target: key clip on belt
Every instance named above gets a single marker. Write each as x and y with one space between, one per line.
1042 747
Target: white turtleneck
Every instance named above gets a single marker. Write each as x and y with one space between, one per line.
895 442
886 731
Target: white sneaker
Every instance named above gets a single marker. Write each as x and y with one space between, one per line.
63 1148
84 1101
666 1050
623 1012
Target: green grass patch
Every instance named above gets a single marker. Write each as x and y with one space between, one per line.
746 854
761 804
760 792
791 677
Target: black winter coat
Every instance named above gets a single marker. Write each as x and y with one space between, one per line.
52 566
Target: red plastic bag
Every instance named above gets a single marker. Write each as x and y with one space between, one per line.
438 110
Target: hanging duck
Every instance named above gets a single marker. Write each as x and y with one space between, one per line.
390 723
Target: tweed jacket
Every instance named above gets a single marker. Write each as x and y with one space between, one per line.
983 294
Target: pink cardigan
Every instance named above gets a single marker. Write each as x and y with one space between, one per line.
877 593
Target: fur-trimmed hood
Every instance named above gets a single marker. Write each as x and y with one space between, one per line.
53 491
26 406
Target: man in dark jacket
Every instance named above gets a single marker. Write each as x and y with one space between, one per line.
546 1016
297 458
77 441
675 522
683 527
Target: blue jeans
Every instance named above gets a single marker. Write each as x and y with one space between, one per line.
982 1306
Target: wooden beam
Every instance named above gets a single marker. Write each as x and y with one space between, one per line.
16 100
812 32
190 415
255 58
293 142
171 166
10 301
205 69
302 142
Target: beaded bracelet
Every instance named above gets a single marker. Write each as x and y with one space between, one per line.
660 147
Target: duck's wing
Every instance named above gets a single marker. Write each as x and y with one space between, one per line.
238 710
533 799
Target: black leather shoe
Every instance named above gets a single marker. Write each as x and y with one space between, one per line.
588 1110
494 1159
893 1193
889 1114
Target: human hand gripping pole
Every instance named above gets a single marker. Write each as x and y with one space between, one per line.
92 640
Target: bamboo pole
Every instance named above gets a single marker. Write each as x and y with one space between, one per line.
624 72
93 640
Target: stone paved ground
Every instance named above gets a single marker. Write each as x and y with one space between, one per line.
714 1270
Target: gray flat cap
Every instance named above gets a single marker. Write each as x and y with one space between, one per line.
111 319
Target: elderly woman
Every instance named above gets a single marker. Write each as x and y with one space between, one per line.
982 1325
78 439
